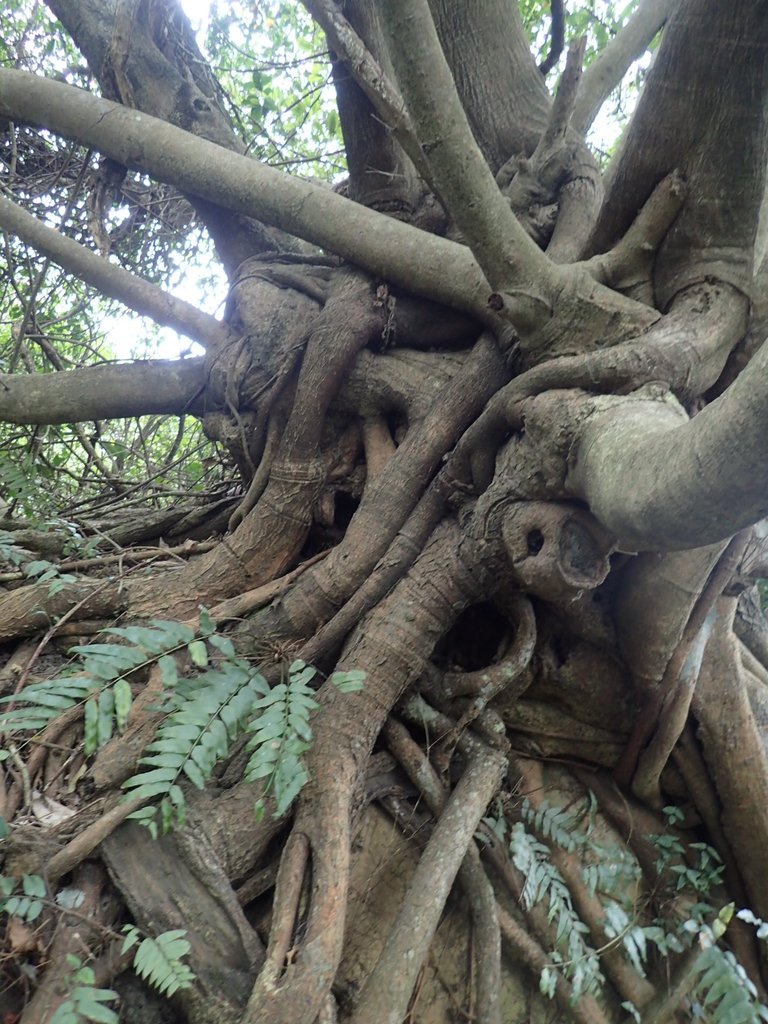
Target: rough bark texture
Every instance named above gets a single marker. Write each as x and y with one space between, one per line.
500 443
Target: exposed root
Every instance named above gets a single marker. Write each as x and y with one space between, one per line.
76 933
582 1009
388 989
486 951
85 842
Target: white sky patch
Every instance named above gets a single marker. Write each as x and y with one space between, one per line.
197 11
136 337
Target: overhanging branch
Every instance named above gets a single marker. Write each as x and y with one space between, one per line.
607 70
145 298
659 484
423 263
103 392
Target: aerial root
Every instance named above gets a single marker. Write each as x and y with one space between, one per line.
528 942
387 991
295 984
85 842
486 936
735 757
689 762
680 677
390 570
483 685
290 884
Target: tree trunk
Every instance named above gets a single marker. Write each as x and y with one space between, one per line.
497 416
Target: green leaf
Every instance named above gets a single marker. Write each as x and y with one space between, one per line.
300 672
198 652
207 625
106 720
90 727
131 939
351 681
66 1014
193 773
123 699
223 644
89 1003
158 776
169 672
33 885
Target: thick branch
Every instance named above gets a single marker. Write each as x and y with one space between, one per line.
103 392
422 263
607 71
147 299
711 69
502 91
369 76
692 483
512 262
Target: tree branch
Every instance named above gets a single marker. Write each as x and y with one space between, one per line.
370 77
607 70
103 392
692 483
556 301
423 263
512 262
141 296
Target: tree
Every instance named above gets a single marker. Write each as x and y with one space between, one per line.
498 415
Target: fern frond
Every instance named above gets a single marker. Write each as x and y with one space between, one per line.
724 991
281 736
553 824
85 1001
543 882
159 960
204 717
106 707
160 636
41 702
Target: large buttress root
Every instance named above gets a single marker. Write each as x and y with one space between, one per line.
391 646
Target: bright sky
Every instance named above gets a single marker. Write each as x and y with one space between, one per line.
197 12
